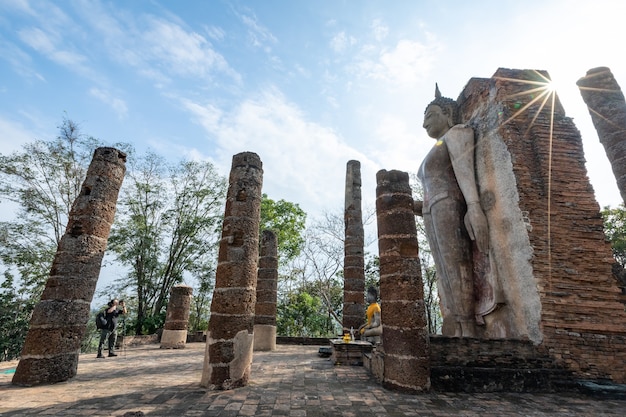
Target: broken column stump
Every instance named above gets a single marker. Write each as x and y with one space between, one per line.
177 318
406 340
228 356
59 321
266 286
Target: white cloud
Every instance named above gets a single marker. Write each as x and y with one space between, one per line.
182 52
302 161
118 105
19 60
13 135
404 149
52 46
380 30
215 33
341 42
403 66
207 115
259 35
159 48
49 36
38 40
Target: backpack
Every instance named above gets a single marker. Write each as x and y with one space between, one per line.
101 320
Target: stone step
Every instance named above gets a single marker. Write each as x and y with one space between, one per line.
492 379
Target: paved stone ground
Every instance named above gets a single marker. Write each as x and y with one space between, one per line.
291 381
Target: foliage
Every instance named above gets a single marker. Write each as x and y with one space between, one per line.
372 272
321 264
43 180
15 314
203 294
318 270
615 231
168 226
151 324
91 339
288 221
301 314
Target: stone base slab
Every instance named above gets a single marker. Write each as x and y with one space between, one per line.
264 337
173 339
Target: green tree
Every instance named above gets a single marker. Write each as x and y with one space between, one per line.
615 231
15 311
204 274
301 314
288 221
318 270
42 180
320 265
372 272
168 226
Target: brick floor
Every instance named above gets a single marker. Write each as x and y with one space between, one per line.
291 381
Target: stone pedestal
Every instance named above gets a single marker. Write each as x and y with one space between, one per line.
350 353
175 329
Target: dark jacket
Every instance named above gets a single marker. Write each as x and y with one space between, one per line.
112 318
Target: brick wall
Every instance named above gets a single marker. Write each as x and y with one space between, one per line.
582 323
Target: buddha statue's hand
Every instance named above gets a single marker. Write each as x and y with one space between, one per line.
418 207
476 225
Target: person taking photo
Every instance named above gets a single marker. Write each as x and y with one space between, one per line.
115 308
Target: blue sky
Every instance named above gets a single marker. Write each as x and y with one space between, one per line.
308 85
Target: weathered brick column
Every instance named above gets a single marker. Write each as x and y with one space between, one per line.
607 107
58 324
266 286
228 356
405 331
175 328
353 261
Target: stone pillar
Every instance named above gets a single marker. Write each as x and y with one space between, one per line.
228 356
175 329
58 324
607 108
266 286
405 330
353 264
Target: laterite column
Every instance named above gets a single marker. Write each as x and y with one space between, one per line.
59 321
177 318
607 107
266 286
228 356
353 261
405 331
